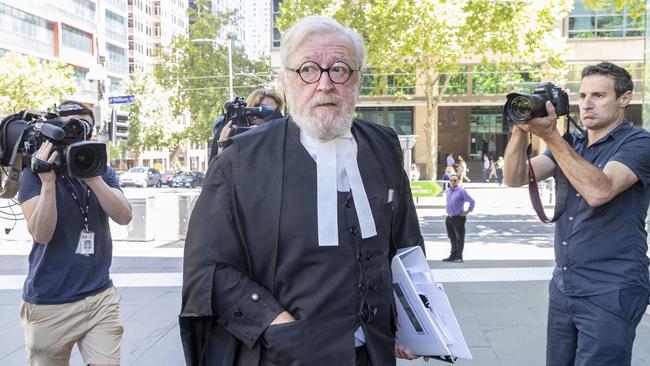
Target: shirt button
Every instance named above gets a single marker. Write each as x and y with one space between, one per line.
237 313
360 257
353 230
577 194
564 242
570 218
255 297
565 268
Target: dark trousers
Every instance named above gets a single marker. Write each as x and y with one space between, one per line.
362 356
593 330
456 234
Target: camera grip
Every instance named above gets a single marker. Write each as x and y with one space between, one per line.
40 165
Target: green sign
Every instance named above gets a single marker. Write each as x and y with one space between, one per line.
425 188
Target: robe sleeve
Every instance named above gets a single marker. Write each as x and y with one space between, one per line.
216 282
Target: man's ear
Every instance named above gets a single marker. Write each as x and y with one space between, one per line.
625 99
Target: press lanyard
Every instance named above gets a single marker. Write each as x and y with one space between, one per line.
84 212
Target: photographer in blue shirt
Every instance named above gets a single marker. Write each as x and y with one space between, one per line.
600 285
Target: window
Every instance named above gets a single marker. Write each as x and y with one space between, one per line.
77 39
605 23
398 118
487 120
276 32
118 4
117 60
26 30
115 26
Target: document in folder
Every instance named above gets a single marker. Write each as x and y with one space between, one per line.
425 321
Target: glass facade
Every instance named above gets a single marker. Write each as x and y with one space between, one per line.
115 86
116 27
605 23
575 70
488 132
81 10
117 59
76 39
26 31
398 118
118 4
388 84
276 31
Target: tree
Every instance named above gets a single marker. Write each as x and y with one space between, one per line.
198 71
30 82
150 117
437 38
636 7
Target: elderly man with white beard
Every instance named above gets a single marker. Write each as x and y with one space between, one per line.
287 258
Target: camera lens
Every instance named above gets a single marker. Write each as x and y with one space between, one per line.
84 159
521 108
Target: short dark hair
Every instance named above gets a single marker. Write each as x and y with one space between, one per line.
82 107
622 78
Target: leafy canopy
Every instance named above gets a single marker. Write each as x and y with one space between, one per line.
31 82
439 38
198 73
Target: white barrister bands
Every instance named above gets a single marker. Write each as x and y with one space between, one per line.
328 233
338 158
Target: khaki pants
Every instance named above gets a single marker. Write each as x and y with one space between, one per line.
93 323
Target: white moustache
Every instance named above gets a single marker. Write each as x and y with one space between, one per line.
324 99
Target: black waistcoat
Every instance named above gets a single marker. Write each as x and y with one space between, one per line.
332 290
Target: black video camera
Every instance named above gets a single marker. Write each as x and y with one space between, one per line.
522 107
241 116
24 133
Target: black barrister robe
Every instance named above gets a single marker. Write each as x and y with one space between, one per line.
232 247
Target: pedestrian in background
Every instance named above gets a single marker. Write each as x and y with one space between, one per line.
600 285
498 166
449 159
486 168
456 218
462 170
415 173
493 171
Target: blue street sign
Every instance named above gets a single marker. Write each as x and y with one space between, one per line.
122 99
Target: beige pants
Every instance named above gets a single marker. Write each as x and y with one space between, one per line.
93 323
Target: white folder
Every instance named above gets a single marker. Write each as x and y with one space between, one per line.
426 324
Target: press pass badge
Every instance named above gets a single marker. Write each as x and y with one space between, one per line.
86 244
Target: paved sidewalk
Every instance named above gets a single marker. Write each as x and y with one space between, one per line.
500 305
499 295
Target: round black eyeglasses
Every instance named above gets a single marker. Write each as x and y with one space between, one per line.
310 72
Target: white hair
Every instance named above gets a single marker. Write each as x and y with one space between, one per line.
320 24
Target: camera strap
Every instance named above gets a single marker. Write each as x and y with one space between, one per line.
12 183
561 181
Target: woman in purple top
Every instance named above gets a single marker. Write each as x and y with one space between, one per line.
456 218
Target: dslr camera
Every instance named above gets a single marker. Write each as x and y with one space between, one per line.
522 107
23 134
241 115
